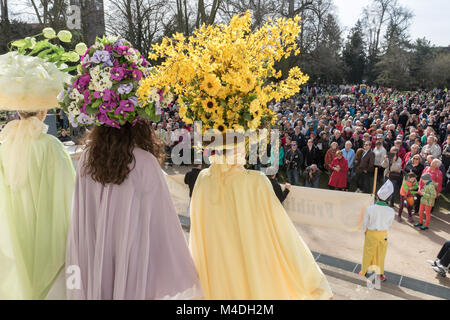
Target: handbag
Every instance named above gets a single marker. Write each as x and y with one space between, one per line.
395 176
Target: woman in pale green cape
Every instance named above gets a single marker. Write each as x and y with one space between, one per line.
36 184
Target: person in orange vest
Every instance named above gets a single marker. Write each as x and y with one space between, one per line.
407 191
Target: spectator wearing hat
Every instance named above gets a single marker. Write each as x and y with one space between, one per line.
428 196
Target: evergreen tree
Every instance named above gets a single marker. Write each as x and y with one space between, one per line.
354 56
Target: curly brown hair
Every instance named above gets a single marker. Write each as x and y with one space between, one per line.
110 151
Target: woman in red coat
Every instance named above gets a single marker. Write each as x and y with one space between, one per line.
339 165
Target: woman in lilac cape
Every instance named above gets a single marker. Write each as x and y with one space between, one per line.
125 235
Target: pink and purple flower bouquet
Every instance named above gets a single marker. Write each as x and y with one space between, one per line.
104 90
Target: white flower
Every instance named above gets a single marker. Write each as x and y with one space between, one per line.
73 108
31 82
112 39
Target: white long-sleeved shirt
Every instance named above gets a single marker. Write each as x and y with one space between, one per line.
378 217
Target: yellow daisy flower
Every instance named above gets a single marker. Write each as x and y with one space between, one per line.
206 117
209 105
220 125
247 83
211 85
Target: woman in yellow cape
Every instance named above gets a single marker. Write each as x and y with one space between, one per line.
243 243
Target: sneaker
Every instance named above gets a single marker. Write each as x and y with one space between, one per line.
418 224
440 271
433 263
423 228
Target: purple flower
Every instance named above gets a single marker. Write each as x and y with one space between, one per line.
98 94
105 108
122 50
125 106
117 73
84 119
137 75
108 48
83 82
87 96
100 56
161 95
109 95
119 43
108 63
72 120
125 88
145 62
134 100
103 118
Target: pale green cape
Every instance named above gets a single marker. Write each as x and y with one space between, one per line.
34 217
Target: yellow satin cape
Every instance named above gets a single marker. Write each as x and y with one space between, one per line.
243 243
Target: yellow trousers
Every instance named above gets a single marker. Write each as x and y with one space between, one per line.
375 247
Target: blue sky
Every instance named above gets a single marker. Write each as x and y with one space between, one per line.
431 18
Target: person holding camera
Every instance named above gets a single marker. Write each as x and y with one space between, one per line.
312 176
393 171
293 161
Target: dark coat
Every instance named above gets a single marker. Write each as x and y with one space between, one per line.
294 159
366 163
310 156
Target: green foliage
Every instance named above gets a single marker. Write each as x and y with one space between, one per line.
354 55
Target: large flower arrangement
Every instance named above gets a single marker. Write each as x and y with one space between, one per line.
104 90
33 73
225 75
